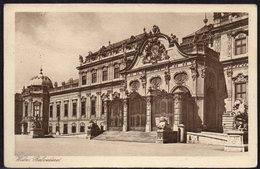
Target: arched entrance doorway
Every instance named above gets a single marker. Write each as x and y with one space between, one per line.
115 114
184 108
210 115
137 112
162 105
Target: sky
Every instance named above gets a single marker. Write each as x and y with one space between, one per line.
55 40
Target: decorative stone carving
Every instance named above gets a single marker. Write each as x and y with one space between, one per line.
88 94
80 59
82 99
229 72
116 95
156 82
155 29
173 38
154 51
229 45
98 93
180 77
143 80
167 77
93 97
55 84
105 96
194 72
134 85
240 78
203 71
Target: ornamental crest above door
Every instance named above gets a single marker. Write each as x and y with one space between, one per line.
154 51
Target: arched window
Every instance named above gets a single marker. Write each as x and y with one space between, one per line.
116 71
73 128
94 76
82 127
156 82
104 74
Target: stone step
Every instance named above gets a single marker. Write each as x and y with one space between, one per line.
130 136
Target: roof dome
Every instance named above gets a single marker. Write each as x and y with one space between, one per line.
40 80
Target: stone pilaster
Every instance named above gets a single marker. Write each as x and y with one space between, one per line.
105 113
88 109
148 126
178 114
125 114
22 128
30 109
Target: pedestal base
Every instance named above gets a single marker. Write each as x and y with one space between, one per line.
235 142
36 133
164 136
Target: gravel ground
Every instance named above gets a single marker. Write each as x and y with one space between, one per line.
24 145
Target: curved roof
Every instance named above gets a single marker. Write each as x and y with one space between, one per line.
40 80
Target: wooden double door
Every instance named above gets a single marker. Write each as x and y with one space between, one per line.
115 115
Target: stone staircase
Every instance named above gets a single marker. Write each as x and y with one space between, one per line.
129 136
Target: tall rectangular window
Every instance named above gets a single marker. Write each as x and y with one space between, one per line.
73 128
51 111
74 109
84 79
116 72
36 109
240 46
240 90
83 108
104 74
66 110
58 110
65 128
93 107
26 110
94 77
103 107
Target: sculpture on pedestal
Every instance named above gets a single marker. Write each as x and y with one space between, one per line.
164 132
238 137
240 115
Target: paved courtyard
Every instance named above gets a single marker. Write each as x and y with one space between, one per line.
24 145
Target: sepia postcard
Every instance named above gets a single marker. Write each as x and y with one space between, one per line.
130 85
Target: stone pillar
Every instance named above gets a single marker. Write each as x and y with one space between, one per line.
88 113
98 105
41 113
125 114
148 126
30 109
177 111
22 127
178 116
105 114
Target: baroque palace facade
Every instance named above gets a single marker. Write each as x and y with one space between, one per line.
129 85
